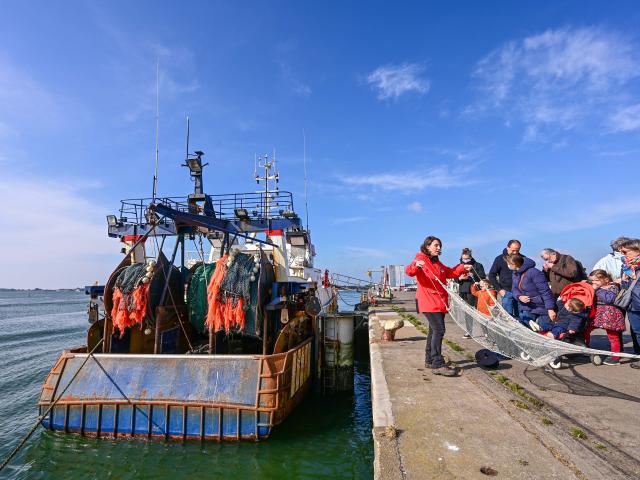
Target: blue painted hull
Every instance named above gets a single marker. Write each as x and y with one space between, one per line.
204 397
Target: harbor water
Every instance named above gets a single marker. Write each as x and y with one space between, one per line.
325 437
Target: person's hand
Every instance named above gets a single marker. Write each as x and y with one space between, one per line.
572 332
420 263
552 314
547 265
502 292
524 298
464 276
468 268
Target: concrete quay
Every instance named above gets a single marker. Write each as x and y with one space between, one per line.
517 422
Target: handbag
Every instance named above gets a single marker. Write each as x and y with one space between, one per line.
623 299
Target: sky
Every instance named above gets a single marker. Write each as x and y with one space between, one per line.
476 122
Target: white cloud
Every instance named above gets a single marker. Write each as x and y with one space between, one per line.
390 82
415 207
436 177
52 235
559 80
342 221
626 119
25 102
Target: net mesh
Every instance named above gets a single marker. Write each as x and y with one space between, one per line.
501 333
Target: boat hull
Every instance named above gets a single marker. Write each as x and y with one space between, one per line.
202 397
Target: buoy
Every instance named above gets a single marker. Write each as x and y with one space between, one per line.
252 278
145 279
147 331
152 263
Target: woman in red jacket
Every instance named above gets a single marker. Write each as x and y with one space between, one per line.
432 299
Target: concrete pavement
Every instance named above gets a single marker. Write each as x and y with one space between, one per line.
517 422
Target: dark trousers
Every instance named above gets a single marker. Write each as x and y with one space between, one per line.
433 350
634 328
469 298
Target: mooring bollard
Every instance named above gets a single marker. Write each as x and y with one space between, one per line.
389 329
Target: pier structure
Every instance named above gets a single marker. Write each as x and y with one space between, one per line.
512 422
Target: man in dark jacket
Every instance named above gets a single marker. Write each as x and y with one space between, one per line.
561 270
500 277
468 279
530 288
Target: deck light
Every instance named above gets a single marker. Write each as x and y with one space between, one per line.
195 165
112 220
241 213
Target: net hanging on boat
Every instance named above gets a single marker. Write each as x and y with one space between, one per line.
501 333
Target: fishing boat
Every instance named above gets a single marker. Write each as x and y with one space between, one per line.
221 348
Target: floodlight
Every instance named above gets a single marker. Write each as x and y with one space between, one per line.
195 165
241 213
112 220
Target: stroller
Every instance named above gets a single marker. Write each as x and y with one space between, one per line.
582 291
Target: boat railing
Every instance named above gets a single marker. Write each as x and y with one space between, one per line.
273 205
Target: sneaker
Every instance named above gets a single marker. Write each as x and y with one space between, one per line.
445 371
635 365
428 365
611 361
534 326
466 335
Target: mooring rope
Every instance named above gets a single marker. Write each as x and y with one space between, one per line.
18 447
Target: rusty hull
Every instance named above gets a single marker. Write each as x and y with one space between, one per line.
202 397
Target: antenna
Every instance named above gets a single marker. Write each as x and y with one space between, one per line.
155 172
304 157
187 153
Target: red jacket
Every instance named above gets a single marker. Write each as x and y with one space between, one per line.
431 295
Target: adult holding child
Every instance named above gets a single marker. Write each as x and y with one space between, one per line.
431 274
530 288
630 282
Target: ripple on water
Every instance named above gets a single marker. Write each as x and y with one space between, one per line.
324 438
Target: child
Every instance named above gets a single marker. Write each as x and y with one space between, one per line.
608 317
571 318
485 294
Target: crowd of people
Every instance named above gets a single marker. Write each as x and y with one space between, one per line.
560 300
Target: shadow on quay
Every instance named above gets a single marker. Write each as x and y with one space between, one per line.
573 383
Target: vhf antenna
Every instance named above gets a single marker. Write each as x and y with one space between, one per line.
155 172
306 199
187 153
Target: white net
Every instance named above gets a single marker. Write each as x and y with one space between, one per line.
501 333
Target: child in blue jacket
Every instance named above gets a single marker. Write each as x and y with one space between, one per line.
571 319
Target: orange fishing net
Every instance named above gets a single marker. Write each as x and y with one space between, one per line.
222 314
129 309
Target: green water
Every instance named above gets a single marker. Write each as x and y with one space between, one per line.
325 437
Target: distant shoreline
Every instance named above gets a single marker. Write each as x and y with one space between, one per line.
77 289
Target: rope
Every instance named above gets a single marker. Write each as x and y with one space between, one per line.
175 307
18 447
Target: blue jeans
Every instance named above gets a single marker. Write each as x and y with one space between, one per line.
548 326
634 324
527 315
510 304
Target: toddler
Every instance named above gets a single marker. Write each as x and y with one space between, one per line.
608 316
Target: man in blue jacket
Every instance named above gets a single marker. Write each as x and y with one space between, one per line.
531 290
500 277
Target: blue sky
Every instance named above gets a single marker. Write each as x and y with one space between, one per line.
475 121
